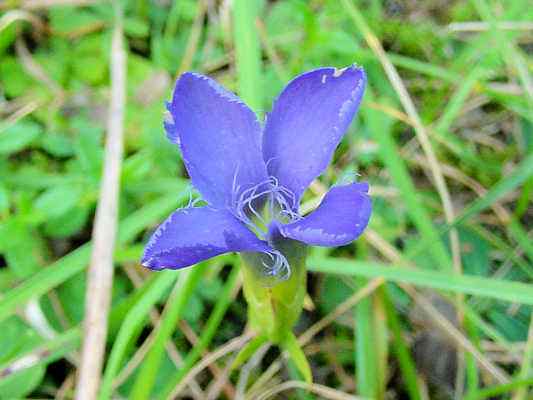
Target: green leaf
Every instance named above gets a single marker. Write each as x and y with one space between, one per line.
136 27
16 338
296 354
19 136
68 223
88 147
23 248
19 383
7 36
57 145
19 82
248 351
76 261
67 20
4 200
57 201
72 295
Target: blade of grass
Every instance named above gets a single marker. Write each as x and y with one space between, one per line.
419 128
188 280
208 331
522 205
70 340
456 102
442 128
515 230
381 341
452 111
121 310
171 27
230 346
504 186
42 353
494 391
401 350
508 251
487 329
472 372
247 53
324 392
497 289
367 346
380 128
194 38
507 184
510 54
132 322
365 354
527 363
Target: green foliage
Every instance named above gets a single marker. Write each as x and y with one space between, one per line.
16 338
18 137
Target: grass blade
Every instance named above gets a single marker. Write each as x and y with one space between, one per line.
379 125
188 279
400 349
132 322
208 331
474 285
247 53
507 184
365 348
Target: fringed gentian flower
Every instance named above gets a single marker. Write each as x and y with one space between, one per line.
252 178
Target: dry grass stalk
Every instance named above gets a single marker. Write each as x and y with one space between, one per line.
100 274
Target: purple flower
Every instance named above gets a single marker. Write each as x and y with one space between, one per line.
253 177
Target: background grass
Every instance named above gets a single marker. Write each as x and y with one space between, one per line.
434 301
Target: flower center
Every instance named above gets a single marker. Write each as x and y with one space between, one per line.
264 203
261 207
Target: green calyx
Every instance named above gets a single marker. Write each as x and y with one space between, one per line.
274 305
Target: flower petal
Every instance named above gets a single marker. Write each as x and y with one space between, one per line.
219 136
194 234
307 123
340 218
